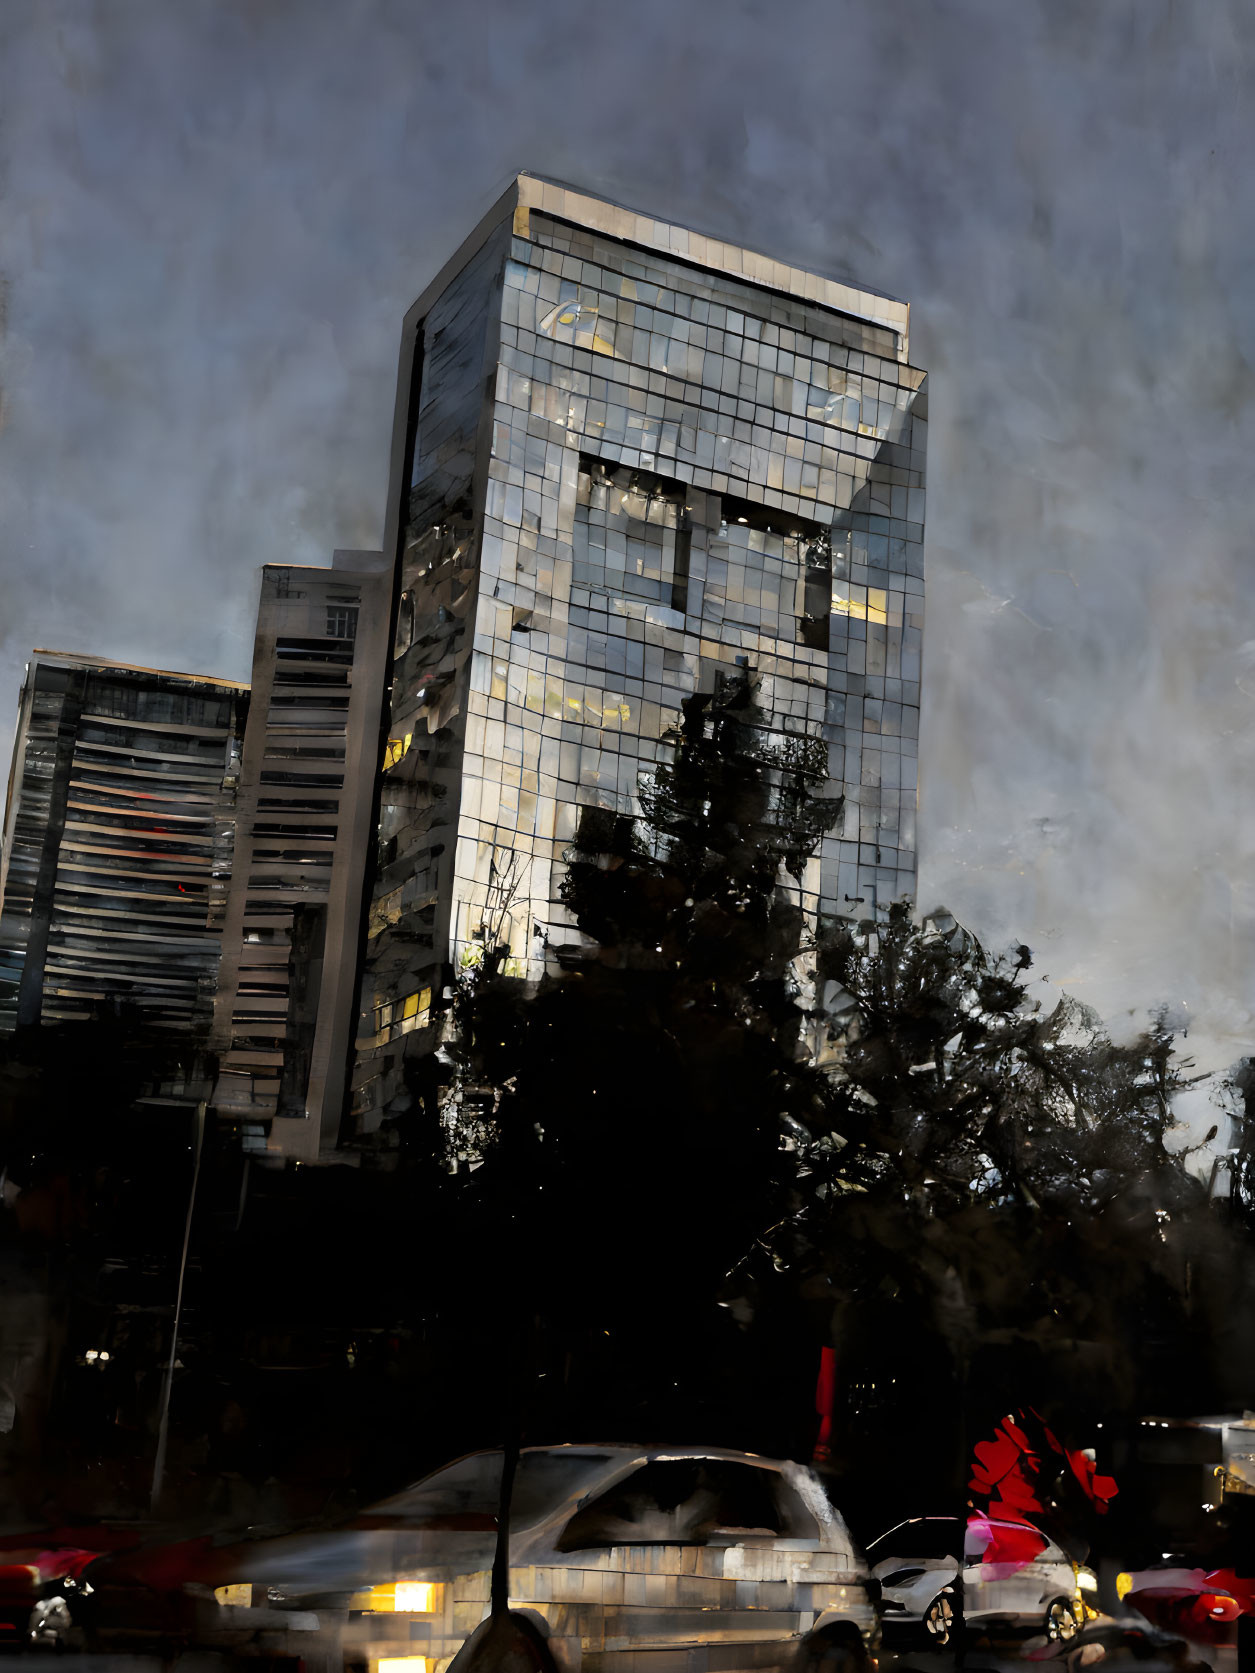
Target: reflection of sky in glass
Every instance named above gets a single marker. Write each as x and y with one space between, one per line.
579 323
625 534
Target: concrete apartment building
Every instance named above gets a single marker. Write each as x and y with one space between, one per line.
283 1027
117 846
627 459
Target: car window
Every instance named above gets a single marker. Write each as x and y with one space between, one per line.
472 1487
684 1501
926 1536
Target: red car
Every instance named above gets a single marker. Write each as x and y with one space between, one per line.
36 1589
1203 1607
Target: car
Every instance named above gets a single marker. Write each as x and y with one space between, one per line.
623 1559
1012 1576
35 1586
1202 1605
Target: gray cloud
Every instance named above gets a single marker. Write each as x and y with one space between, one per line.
216 213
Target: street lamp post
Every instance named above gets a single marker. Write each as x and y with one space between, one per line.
163 1427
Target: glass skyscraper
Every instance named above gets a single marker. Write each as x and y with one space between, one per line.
628 459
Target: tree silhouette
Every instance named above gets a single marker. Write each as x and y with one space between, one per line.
988 1194
624 1120
712 1141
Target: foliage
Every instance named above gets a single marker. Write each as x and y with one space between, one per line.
948 1078
880 1130
996 1191
622 1122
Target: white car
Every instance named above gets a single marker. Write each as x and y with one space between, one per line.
625 1559
1012 1576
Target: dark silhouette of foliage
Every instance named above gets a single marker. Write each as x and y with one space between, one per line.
1242 1159
624 1119
996 1192
880 1132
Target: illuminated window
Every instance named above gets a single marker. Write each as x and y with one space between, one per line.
402 1597
403 1015
865 604
415 1011
396 750
412 1596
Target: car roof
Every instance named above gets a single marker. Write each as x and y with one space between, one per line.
974 1516
620 1453
624 1450
910 1522
650 1453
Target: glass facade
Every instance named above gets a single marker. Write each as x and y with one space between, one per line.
637 459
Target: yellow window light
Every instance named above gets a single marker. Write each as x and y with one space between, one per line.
414 1597
1124 1585
396 750
239 1596
871 612
414 1011
400 1597
401 1664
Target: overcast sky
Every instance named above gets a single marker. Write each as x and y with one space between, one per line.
216 212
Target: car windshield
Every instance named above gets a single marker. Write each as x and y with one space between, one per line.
543 1482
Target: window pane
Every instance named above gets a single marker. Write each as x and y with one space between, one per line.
770 572
472 1486
631 534
341 621
680 1502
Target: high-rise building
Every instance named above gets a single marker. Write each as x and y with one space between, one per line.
626 459
117 843
283 1025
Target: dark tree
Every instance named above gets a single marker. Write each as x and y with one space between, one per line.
991 1210
709 1144
626 1117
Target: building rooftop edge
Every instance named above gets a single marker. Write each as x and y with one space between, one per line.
315 569
567 203
140 668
